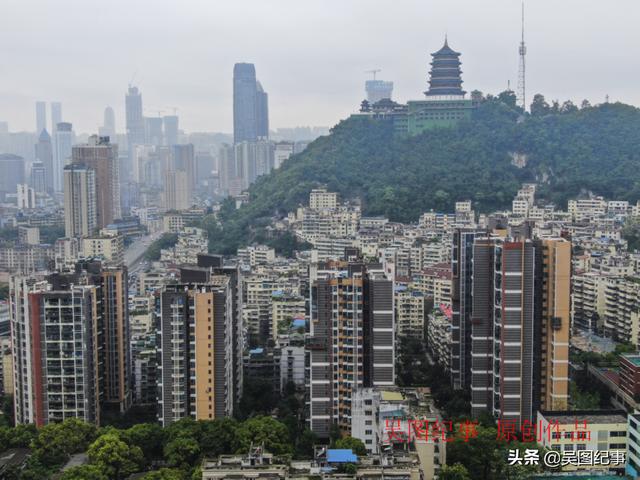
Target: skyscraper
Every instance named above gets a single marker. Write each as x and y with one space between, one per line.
102 156
262 112
108 128
170 129
44 154
80 215
63 141
250 105
197 353
520 327
135 119
245 127
352 340
41 116
56 116
153 131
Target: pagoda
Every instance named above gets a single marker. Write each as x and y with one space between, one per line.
445 76
445 103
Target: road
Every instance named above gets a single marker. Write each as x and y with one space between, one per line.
135 251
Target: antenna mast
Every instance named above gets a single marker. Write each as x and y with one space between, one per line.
522 69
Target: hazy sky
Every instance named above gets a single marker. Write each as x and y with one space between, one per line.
310 55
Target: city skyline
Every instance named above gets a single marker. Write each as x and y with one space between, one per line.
303 87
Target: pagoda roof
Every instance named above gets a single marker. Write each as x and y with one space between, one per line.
445 50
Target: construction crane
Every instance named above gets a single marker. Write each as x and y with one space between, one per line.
373 72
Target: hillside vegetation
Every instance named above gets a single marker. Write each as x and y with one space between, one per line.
568 151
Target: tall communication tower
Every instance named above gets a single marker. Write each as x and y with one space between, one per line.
521 70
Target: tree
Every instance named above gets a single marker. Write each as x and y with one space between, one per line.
456 471
508 97
568 107
149 437
115 457
84 472
354 444
306 441
182 452
55 442
539 106
264 430
484 456
165 474
218 436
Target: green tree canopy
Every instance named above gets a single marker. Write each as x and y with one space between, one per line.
354 444
264 430
115 457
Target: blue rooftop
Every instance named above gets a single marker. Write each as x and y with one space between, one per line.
300 322
341 456
256 351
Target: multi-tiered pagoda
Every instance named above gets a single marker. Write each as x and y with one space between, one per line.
445 103
445 77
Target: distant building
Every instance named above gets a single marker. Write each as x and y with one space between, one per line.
171 131
250 105
44 155
283 151
262 112
41 117
102 157
245 123
377 90
56 116
11 173
26 197
108 128
134 120
63 143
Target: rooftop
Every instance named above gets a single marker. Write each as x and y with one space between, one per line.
589 416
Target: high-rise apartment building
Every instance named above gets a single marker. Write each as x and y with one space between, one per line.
196 370
115 339
41 117
80 207
520 327
352 340
71 344
102 157
250 105
55 351
63 143
176 190
461 303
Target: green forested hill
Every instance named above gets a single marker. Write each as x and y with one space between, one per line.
569 151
